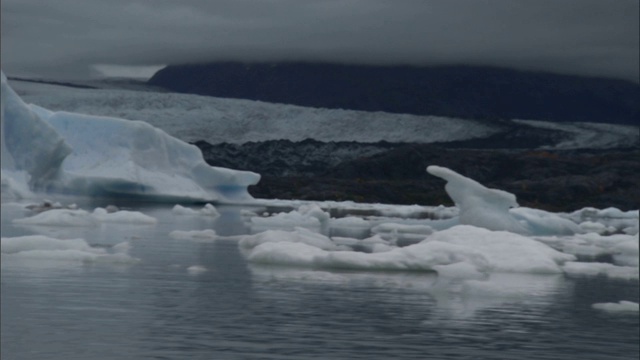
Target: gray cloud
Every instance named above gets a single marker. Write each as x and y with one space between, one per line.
66 37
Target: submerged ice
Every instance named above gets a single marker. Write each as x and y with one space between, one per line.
60 152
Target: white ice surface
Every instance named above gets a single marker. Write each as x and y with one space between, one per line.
619 307
241 121
495 209
505 251
207 235
298 235
481 249
622 248
79 217
91 155
309 216
207 210
419 257
218 120
38 247
601 269
402 232
196 269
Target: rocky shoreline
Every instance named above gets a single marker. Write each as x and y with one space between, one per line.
555 180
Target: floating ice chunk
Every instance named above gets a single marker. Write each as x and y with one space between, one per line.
598 228
613 219
419 257
307 216
631 230
305 248
350 221
122 248
298 235
345 241
46 248
484 250
349 226
196 269
540 222
286 253
207 210
68 217
612 212
505 251
622 248
494 209
378 248
196 235
123 216
59 217
315 211
605 269
375 239
402 234
370 245
285 221
626 253
479 205
181 210
584 251
12 245
619 307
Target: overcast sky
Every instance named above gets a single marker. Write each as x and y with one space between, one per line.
68 37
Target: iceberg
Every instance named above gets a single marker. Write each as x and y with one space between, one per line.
498 210
76 154
619 307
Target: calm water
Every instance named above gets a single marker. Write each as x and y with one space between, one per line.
156 309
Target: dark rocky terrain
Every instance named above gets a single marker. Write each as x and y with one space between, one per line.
395 173
469 92
559 180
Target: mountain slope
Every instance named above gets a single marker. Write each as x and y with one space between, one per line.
453 91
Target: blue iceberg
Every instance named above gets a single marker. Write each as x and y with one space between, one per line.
76 154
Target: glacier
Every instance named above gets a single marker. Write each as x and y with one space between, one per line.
76 154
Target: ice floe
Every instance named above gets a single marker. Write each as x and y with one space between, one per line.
79 217
207 210
40 247
619 307
195 235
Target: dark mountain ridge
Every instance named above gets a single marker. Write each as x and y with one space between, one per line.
471 92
